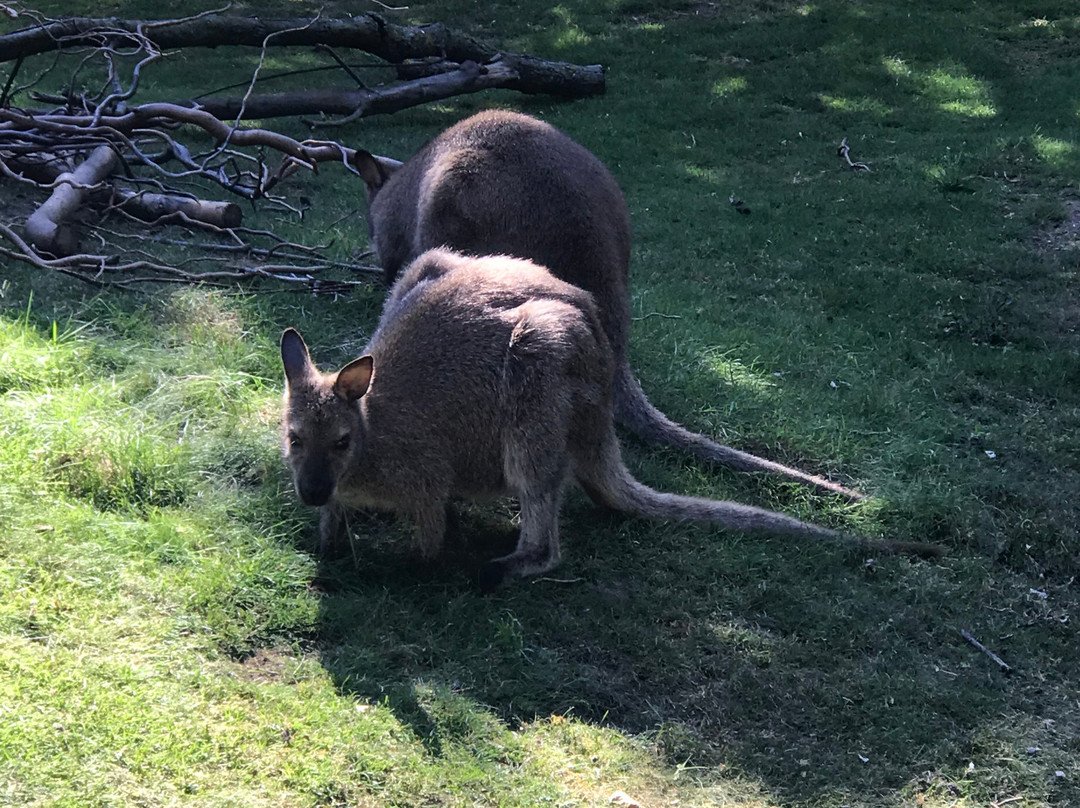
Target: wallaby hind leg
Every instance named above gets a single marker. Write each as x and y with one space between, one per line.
536 466
430 519
538 548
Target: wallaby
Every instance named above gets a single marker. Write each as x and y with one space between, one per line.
506 183
484 376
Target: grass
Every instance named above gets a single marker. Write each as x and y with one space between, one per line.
168 638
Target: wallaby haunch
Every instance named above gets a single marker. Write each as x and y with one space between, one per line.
502 183
484 376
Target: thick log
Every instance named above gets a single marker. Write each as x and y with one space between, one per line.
45 228
367 32
362 102
152 207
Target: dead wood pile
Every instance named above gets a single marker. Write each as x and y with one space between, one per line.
97 150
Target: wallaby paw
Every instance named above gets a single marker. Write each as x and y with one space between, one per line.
333 548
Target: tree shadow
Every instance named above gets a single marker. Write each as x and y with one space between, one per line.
727 651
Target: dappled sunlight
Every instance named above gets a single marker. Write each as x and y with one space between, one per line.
958 92
746 641
1054 151
722 364
1046 26
896 67
729 86
863 104
570 34
292 60
952 88
710 175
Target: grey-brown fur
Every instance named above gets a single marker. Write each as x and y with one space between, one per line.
485 376
505 183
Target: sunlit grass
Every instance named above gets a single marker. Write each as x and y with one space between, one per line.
957 92
1056 152
569 34
729 86
861 105
168 638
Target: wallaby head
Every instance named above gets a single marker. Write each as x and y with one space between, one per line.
321 427
502 183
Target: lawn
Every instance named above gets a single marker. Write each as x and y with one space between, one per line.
168 636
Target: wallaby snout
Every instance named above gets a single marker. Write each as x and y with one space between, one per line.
314 483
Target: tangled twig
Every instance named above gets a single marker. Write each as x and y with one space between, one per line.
844 151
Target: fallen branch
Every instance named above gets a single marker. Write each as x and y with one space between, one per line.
70 149
155 207
468 77
119 272
367 32
45 227
149 122
1001 663
844 151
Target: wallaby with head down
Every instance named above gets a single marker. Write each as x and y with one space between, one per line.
502 183
485 376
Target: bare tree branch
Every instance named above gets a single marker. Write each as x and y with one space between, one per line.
153 207
366 32
95 147
45 227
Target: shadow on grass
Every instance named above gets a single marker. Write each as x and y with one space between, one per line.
787 665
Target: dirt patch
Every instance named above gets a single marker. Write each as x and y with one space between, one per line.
1064 234
268 665
1060 242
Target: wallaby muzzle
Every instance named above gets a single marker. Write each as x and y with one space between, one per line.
314 484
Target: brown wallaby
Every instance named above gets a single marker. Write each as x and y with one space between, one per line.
485 376
502 183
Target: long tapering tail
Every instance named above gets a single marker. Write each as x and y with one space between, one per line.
608 482
634 411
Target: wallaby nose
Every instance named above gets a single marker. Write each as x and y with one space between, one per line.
314 495
314 486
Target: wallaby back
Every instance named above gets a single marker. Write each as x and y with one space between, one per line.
501 183
484 376
505 183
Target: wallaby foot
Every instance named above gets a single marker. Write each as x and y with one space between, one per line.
520 563
537 549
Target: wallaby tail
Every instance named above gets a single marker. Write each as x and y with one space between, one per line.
608 482
634 411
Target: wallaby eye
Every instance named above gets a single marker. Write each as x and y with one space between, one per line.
342 443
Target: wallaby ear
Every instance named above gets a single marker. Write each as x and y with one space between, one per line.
374 170
353 379
294 356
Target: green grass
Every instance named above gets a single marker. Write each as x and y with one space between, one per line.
168 638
